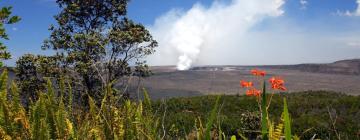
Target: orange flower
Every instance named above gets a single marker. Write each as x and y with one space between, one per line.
262 73
253 92
257 92
256 72
277 83
246 84
248 92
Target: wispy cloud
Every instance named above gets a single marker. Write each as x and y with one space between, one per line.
304 4
354 44
14 28
349 13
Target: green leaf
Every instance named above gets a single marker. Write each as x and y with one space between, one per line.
242 136
264 115
14 19
287 121
211 119
233 137
5 12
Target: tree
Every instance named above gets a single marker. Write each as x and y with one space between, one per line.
32 71
5 18
28 77
99 43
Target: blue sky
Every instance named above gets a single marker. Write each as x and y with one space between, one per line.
334 22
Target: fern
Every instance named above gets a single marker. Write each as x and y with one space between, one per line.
70 129
147 101
44 133
52 108
283 127
276 132
5 107
39 126
15 97
20 121
3 83
60 118
23 124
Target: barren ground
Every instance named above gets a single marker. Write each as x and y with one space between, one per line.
168 82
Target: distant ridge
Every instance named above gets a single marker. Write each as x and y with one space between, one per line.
348 67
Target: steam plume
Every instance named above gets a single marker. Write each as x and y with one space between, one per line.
183 35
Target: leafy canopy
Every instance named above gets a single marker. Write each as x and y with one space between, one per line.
96 44
5 18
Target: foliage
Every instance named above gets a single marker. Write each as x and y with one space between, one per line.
97 42
13 120
286 120
31 72
5 18
240 114
50 118
205 132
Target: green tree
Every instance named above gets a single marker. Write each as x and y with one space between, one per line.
99 43
5 18
32 71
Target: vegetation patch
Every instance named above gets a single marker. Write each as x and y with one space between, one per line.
309 113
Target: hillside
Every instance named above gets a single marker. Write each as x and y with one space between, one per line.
348 67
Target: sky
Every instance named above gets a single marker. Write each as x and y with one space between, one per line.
218 32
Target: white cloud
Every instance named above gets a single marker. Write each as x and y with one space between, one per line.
354 44
194 36
349 13
14 28
304 4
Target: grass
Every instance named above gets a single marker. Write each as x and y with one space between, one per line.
310 114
